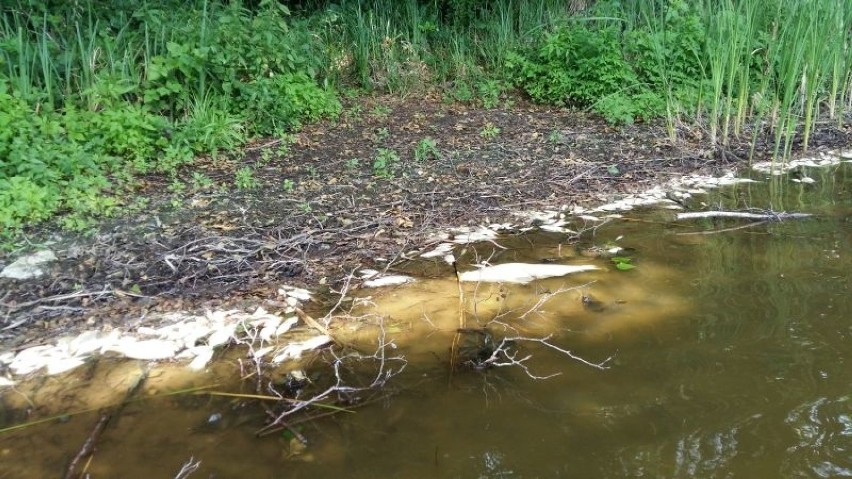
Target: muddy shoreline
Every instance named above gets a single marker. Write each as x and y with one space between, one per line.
324 206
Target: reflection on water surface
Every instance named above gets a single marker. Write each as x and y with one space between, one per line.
730 350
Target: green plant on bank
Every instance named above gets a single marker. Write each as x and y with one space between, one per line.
177 186
244 179
385 162
287 185
352 163
489 131
426 149
112 90
380 112
265 156
200 181
555 136
382 134
489 92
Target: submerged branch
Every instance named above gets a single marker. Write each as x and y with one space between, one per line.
188 468
771 215
88 447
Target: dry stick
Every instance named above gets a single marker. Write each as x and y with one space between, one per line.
60 297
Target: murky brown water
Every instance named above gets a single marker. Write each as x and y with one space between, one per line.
731 359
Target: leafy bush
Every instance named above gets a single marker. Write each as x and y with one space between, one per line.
97 91
285 101
573 65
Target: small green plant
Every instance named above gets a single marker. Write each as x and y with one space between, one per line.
382 134
385 162
380 111
265 156
489 131
353 114
288 185
489 93
462 92
244 179
177 186
622 263
555 136
352 163
427 148
200 181
305 207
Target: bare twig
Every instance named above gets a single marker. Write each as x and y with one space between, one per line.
384 372
506 355
188 468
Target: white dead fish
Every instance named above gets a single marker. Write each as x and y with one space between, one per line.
522 272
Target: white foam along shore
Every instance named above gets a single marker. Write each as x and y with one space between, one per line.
183 336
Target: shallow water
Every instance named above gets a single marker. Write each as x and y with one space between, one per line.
730 358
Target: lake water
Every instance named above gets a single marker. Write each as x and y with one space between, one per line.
730 352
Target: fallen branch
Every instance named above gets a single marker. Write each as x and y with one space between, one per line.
723 230
742 215
88 447
384 372
505 355
312 322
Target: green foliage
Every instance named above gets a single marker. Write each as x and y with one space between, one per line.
352 163
200 181
489 131
93 93
573 65
489 92
103 91
244 179
385 162
282 102
51 162
666 49
427 148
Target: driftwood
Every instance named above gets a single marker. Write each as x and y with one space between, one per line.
742 215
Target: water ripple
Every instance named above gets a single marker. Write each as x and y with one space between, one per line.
824 430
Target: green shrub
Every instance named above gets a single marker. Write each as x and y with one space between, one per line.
284 101
573 65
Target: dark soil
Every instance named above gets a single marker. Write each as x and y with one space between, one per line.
321 210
